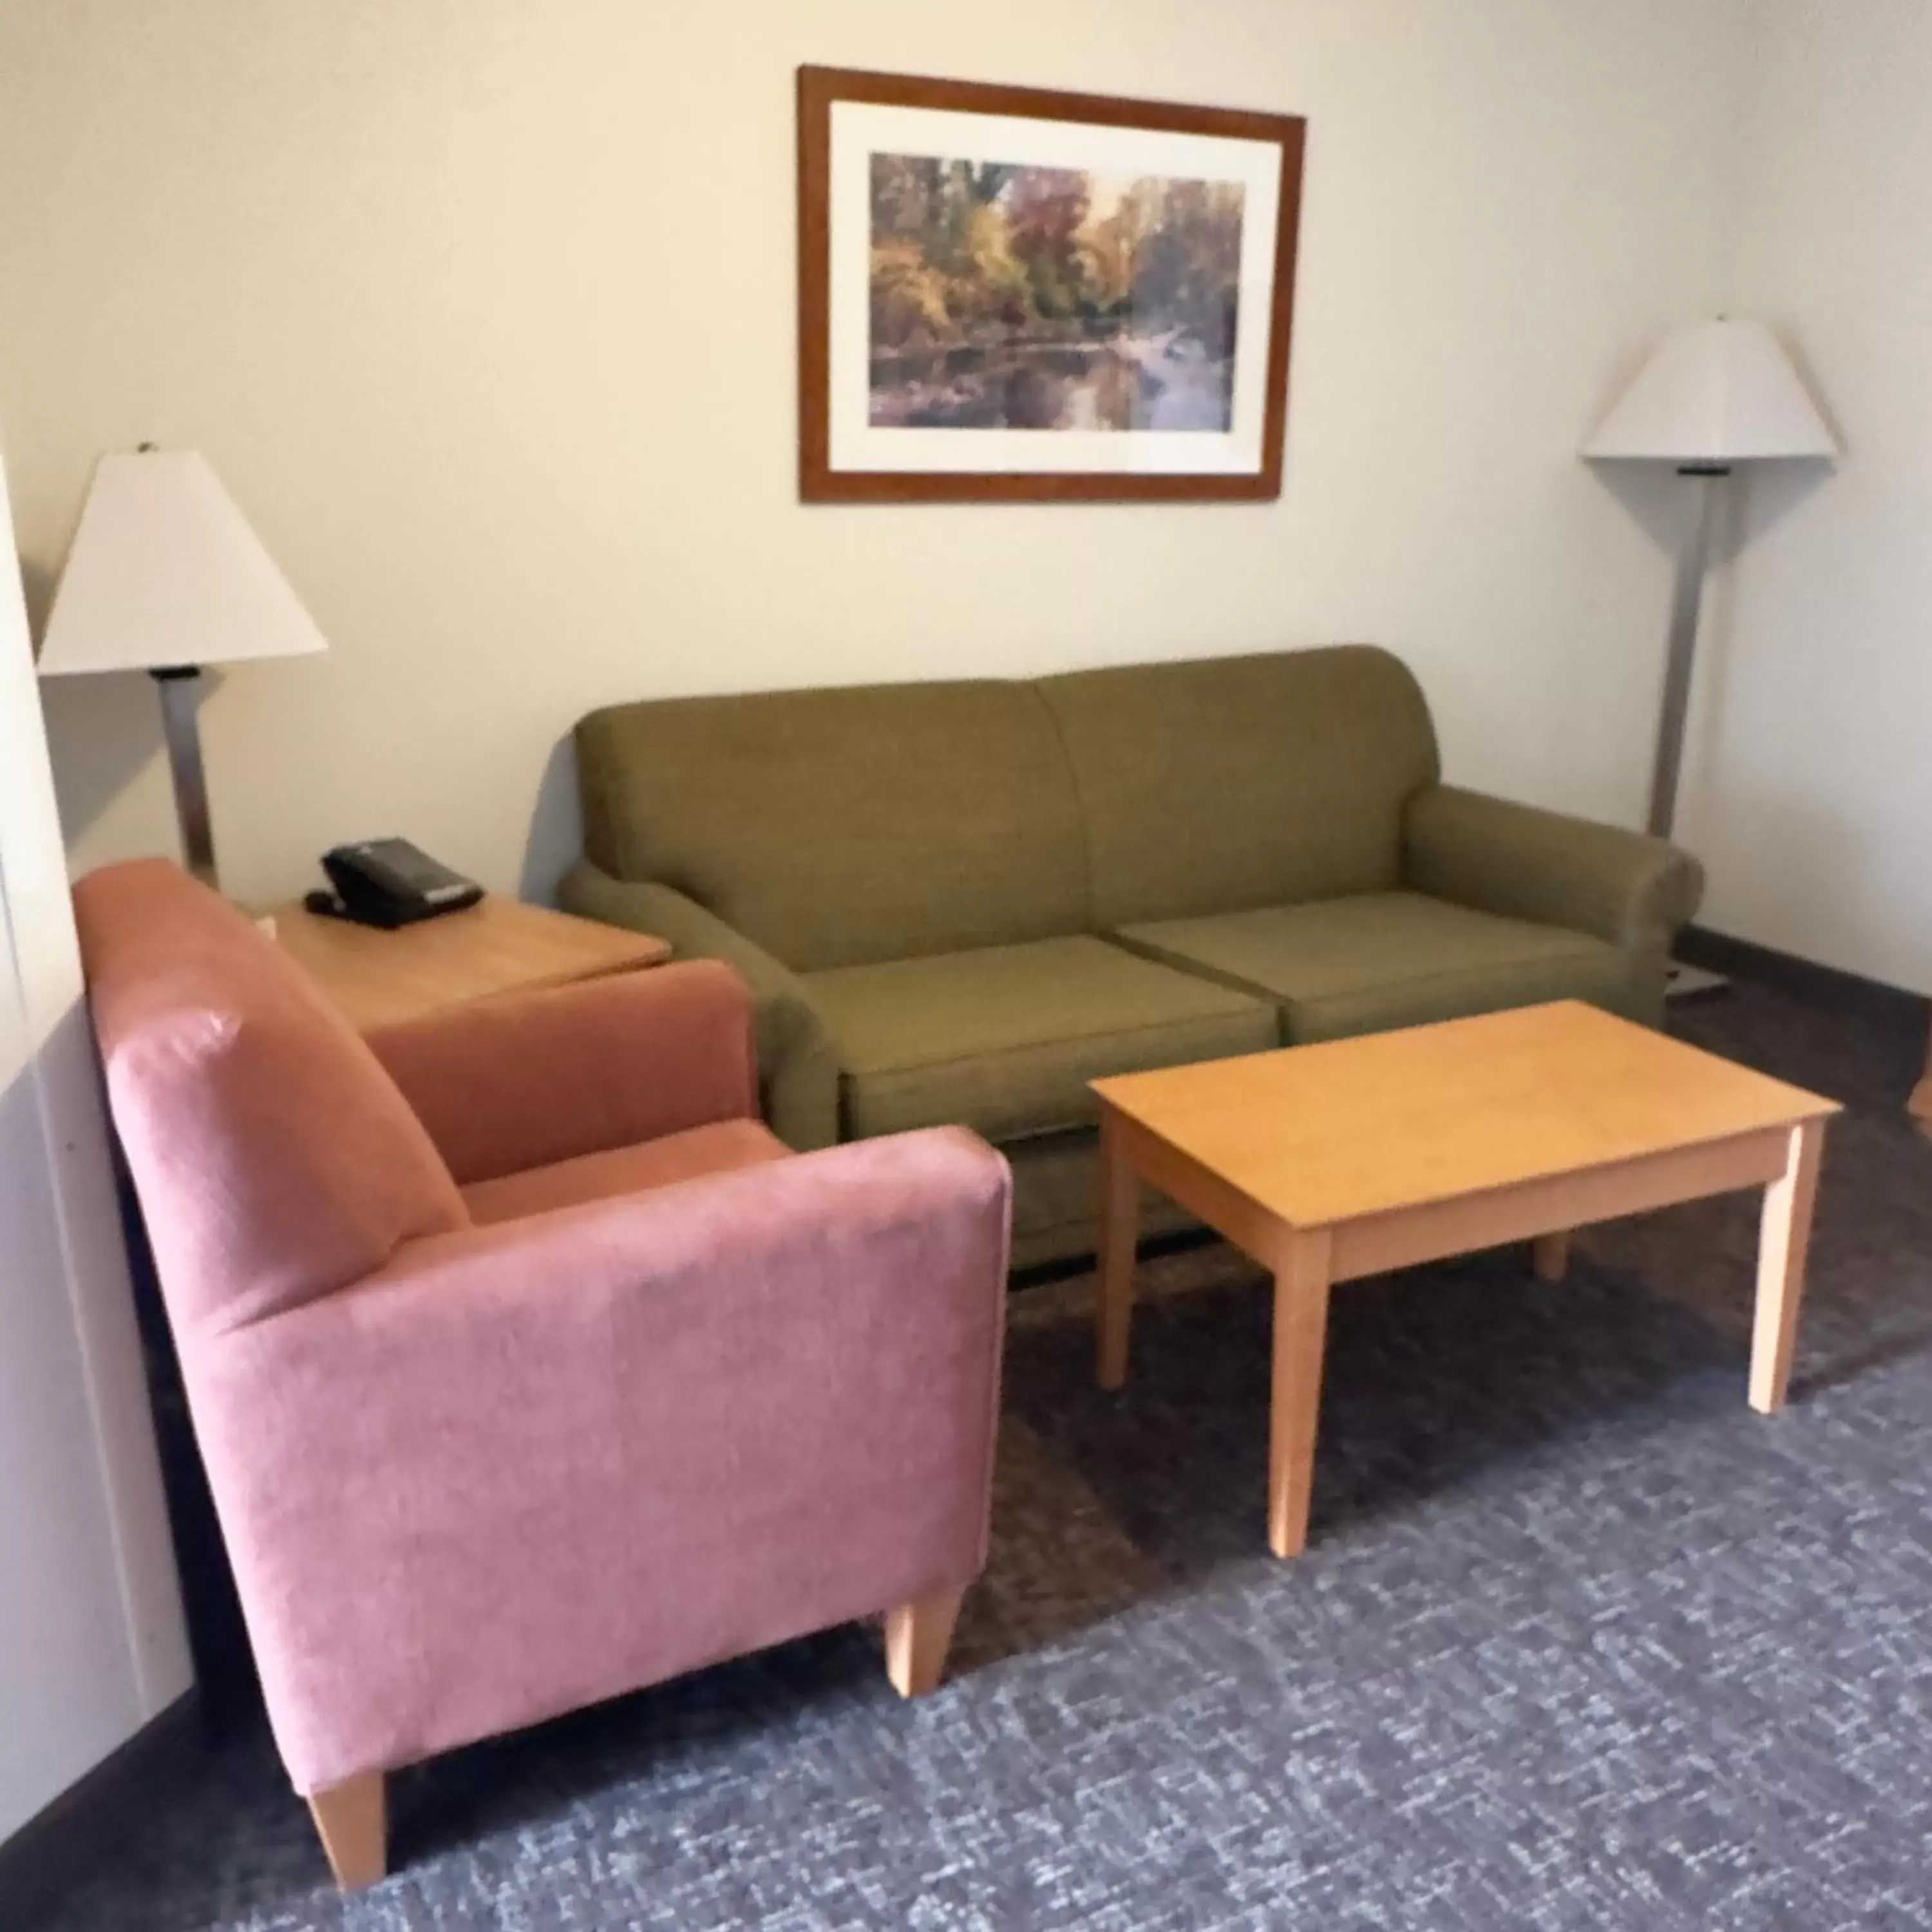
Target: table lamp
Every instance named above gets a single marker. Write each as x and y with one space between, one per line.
1714 394
165 576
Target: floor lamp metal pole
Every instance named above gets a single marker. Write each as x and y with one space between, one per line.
180 688
1674 713
1685 607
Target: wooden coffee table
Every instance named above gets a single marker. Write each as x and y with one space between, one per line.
1350 1157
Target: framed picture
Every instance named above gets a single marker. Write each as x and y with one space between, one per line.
1006 293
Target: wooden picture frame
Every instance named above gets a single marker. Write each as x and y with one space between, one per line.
1063 358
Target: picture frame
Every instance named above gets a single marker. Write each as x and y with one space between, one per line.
1012 294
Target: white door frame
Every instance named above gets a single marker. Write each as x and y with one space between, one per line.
92 1645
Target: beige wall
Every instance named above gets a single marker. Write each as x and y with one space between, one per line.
483 309
1812 795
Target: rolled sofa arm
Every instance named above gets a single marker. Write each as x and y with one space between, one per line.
525 1467
1520 862
798 1067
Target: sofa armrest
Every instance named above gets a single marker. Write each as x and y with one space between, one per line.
528 1466
520 1081
1523 862
798 1065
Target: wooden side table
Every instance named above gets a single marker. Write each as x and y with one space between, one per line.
497 945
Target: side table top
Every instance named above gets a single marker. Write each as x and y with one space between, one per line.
497 945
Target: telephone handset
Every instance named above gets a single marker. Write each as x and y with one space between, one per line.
389 882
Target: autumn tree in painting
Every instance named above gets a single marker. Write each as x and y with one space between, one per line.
1050 297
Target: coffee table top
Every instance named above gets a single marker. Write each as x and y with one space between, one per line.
1326 1133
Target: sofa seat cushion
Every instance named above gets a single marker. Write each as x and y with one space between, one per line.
1004 1039
715 1149
1387 959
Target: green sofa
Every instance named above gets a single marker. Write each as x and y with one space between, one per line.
963 901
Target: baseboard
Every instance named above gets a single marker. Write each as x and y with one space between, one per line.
59 1843
1802 979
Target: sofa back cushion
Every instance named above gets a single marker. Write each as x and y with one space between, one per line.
274 1158
1230 783
840 827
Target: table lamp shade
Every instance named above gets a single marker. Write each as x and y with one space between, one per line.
165 572
1714 393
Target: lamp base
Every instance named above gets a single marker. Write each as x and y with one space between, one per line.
1686 983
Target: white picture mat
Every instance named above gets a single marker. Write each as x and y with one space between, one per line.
861 129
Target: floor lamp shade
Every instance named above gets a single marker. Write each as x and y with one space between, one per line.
165 572
1711 394
165 576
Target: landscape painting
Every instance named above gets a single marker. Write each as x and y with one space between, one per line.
1011 297
1008 295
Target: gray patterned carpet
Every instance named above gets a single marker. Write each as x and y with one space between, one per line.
1581 1641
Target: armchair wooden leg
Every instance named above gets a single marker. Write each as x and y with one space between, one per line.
918 1635
351 1818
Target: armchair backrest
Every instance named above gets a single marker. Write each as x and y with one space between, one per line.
274 1159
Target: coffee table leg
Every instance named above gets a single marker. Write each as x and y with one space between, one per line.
1782 1240
1549 1255
1120 1225
1301 1338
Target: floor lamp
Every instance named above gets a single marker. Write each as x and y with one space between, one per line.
1713 395
165 576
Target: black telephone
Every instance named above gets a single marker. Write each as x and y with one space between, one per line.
389 882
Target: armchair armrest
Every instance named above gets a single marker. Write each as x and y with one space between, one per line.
798 1063
1523 862
532 1078
526 1467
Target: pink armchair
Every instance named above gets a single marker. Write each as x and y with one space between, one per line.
527 1366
